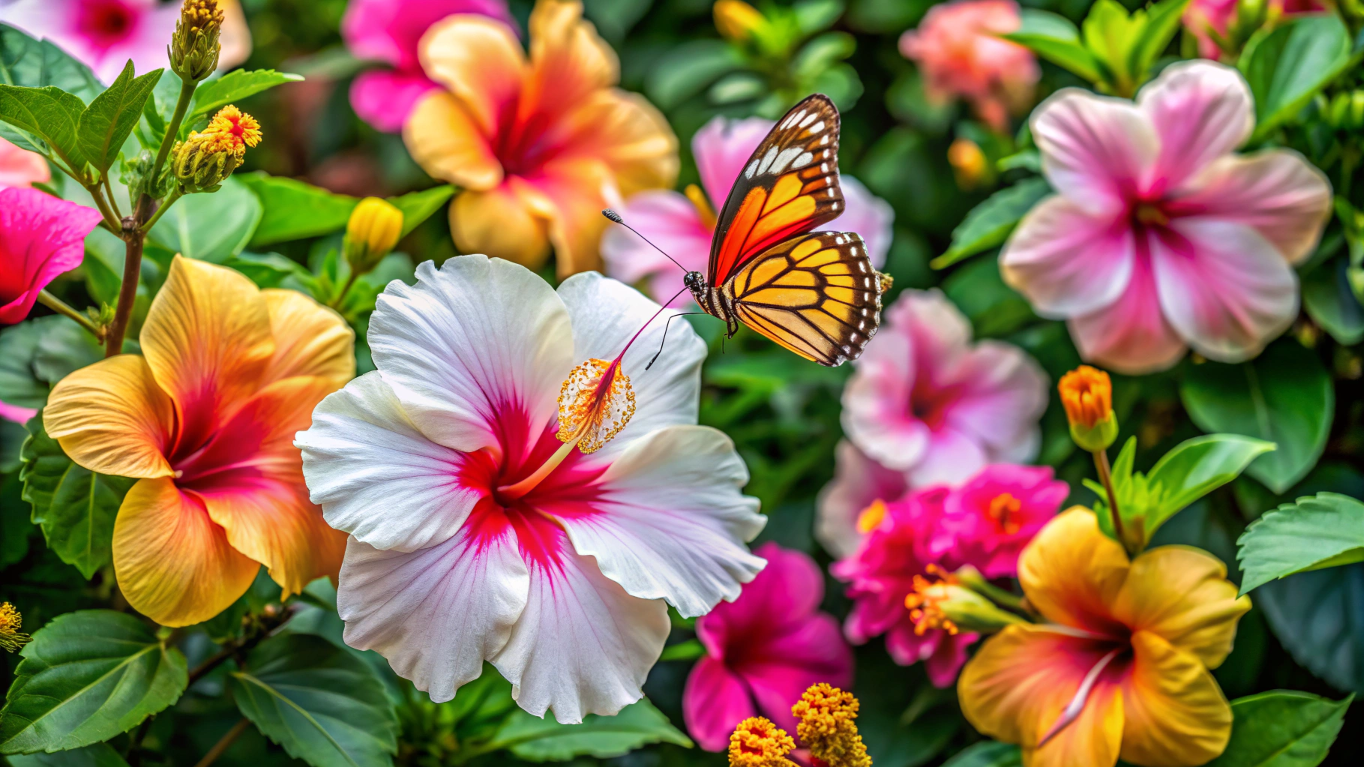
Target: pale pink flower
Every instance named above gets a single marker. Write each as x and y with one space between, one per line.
682 224
105 34
926 401
388 31
960 55
20 167
1159 237
993 515
858 483
763 650
561 588
1203 17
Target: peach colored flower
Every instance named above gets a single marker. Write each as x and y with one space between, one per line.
20 167
961 56
540 144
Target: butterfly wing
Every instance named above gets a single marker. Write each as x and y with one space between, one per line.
816 294
788 186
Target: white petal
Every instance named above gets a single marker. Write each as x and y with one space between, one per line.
672 522
582 645
471 339
376 476
606 314
435 614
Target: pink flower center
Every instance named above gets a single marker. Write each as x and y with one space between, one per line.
106 22
930 403
1004 512
1149 214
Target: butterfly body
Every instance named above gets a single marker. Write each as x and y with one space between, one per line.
815 293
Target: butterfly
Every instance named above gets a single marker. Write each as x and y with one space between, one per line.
815 293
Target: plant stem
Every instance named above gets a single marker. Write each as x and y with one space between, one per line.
224 742
173 127
132 270
202 669
134 753
350 281
111 222
1106 479
61 307
109 190
165 205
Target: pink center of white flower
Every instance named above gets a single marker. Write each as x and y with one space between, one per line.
106 22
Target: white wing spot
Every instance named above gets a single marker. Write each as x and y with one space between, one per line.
816 128
824 167
791 119
784 159
809 119
767 161
751 169
803 160
862 265
824 141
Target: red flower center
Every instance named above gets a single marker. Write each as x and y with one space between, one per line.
106 22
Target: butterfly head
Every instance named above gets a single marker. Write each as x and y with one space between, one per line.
694 281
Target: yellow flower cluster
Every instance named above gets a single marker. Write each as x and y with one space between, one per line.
828 726
757 742
10 622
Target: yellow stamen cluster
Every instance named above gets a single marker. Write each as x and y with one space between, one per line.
756 742
202 161
10 622
596 401
235 128
1004 511
198 16
871 517
828 726
925 602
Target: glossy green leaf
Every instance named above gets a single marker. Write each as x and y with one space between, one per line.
39 352
537 739
112 115
97 755
1282 728
418 206
1331 303
1056 39
318 701
49 114
990 223
1284 396
294 210
31 63
212 226
212 95
994 308
1195 468
74 506
689 69
86 677
1324 530
1160 24
1290 65
987 754
1110 33
267 270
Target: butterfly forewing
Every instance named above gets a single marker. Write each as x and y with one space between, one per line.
815 294
788 186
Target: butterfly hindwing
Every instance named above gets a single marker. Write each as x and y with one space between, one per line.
788 186
816 294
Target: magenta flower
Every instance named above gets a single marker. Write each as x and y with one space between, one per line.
682 224
20 167
1159 237
40 237
993 515
858 483
389 31
926 401
763 650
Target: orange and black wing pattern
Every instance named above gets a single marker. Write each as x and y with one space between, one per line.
789 186
816 294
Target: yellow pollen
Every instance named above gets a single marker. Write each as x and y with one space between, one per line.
871 517
925 601
1004 510
237 128
10 622
828 726
703 209
756 742
1151 215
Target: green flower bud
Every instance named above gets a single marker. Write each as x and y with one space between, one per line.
200 163
195 45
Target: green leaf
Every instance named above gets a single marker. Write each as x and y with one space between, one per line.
294 210
994 308
319 702
75 506
537 739
688 69
1324 530
38 353
97 755
86 677
987 754
990 223
1290 65
1329 300
213 95
51 115
1195 468
1282 728
1056 39
1110 33
210 226
267 270
1162 21
1284 396
31 63
111 117
418 206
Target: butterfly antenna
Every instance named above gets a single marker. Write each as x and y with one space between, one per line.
665 334
615 218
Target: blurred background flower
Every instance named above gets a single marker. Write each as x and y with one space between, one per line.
20 167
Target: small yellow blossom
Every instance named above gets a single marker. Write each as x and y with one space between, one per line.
968 162
371 233
757 742
236 128
1087 395
828 726
10 622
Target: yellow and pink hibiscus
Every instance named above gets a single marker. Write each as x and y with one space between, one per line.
205 420
538 144
1121 668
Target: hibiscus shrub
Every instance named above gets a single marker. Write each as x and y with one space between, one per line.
348 431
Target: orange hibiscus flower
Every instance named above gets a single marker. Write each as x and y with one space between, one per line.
1123 666
205 419
539 145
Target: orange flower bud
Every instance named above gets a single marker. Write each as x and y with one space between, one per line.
1087 395
737 20
968 163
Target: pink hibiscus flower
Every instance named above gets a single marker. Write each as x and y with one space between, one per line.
991 517
1204 17
40 237
1159 237
389 31
763 650
475 537
926 401
104 34
682 224
858 483
20 167
961 56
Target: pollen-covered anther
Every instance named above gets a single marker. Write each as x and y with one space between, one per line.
925 602
11 639
828 726
596 401
757 742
